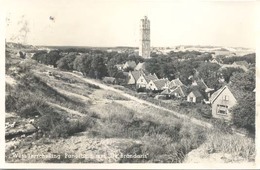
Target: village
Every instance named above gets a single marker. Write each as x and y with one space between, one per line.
220 100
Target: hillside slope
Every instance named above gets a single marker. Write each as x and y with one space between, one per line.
60 116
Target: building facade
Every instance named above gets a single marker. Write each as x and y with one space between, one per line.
144 47
222 100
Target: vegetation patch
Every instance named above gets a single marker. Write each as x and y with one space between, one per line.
162 142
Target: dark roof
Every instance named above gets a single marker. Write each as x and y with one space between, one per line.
160 83
218 60
150 77
137 74
196 93
174 83
181 90
201 83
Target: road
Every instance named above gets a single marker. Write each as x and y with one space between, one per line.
179 115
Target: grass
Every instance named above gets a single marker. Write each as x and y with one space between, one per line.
114 96
237 146
30 98
165 140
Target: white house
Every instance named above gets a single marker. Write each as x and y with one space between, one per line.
222 100
157 84
143 80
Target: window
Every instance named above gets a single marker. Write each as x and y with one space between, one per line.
222 109
225 98
141 80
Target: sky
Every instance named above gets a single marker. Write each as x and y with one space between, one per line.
110 23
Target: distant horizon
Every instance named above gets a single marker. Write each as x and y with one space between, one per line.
216 46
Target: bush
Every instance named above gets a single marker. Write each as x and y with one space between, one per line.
57 125
204 110
166 143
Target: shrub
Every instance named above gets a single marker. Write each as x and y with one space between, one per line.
57 125
204 110
235 145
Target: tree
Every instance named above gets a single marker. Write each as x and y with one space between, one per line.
82 63
168 70
185 69
111 68
243 82
40 56
98 67
66 63
208 72
152 65
244 112
52 57
243 85
228 71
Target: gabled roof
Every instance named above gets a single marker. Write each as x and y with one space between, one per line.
196 93
174 83
136 74
215 95
166 91
140 66
201 83
131 64
218 60
181 90
160 83
150 77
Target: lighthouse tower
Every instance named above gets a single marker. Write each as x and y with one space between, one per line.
144 47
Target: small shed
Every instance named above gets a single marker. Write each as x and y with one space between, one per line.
195 96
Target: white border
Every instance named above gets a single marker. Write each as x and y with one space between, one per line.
114 165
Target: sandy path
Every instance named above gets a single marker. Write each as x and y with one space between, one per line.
103 86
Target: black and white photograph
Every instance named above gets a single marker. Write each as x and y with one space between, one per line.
133 81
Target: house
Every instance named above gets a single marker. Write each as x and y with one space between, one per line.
133 76
179 91
195 96
140 66
241 64
143 80
173 84
166 92
201 86
129 64
109 80
157 84
200 83
217 61
221 101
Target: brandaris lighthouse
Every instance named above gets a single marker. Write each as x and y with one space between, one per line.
144 48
